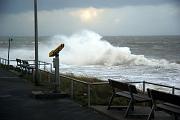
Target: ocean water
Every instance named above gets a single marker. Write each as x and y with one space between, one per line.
126 58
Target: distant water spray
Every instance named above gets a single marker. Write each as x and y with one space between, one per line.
88 48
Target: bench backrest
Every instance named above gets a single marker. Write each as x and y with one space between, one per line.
164 97
122 86
25 62
18 61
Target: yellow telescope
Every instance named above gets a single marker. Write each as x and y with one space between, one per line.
56 51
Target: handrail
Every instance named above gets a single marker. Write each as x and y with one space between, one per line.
84 82
162 85
167 86
74 79
5 61
99 83
89 84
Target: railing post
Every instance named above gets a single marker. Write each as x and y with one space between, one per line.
72 89
51 67
6 62
33 75
173 90
40 78
144 86
89 95
39 64
44 66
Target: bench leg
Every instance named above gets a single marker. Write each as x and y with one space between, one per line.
151 114
174 117
110 101
26 71
29 71
130 106
21 69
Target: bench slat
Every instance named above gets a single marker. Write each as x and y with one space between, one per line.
165 97
137 97
24 65
127 91
167 102
123 94
169 108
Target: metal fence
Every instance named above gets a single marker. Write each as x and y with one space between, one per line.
41 64
89 85
3 61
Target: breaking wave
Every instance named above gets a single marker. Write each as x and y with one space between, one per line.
88 48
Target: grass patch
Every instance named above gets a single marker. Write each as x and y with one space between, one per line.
100 94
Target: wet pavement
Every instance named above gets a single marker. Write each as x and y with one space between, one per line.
16 103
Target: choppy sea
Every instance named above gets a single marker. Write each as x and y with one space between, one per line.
134 58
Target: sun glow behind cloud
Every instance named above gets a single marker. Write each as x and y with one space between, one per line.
87 14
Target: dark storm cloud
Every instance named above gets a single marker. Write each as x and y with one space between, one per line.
16 6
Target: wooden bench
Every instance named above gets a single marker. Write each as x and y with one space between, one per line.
19 63
166 102
129 92
28 68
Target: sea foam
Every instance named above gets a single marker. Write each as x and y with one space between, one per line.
88 48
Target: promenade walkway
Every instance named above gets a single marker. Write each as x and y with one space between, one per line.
16 103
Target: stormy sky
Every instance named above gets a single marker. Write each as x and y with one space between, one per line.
106 17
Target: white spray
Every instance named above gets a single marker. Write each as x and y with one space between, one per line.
87 48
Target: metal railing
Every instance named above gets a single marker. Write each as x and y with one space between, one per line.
45 65
144 83
42 65
3 61
90 84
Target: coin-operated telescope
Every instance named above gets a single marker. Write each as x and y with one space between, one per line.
55 53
